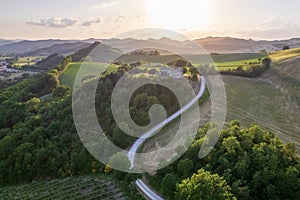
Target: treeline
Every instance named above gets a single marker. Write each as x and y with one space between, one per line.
251 71
246 163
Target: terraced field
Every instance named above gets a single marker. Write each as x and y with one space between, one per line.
85 187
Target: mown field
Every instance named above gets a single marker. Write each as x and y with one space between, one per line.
69 74
82 187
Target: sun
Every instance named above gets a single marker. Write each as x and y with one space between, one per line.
179 14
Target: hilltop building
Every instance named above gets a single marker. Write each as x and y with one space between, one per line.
176 72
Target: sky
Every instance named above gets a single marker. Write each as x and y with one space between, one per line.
82 19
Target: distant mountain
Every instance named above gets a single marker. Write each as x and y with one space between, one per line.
164 44
4 42
62 49
27 46
210 45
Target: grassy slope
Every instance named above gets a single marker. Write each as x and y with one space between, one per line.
273 100
69 74
82 187
279 56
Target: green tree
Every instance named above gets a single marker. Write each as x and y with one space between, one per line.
168 185
185 166
203 185
60 91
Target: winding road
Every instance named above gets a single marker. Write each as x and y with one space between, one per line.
131 153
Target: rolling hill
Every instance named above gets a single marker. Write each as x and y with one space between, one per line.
62 49
27 46
211 44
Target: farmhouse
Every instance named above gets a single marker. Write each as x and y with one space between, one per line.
172 72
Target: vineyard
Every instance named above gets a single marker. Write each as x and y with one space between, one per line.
82 187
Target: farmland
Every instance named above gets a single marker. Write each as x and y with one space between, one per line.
22 61
82 187
68 75
279 56
222 61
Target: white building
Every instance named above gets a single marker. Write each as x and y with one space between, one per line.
172 72
4 67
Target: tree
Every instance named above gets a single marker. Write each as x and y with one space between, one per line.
203 185
60 91
266 62
184 167
285 47
168 185
121 160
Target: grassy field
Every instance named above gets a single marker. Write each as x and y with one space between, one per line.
82 187
69 74
262 102
283 55
271 101
222 61
30 60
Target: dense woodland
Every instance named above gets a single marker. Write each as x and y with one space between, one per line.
246 163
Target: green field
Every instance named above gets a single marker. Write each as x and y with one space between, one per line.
68 75
82 187
283 55
222 61
29 60
272 101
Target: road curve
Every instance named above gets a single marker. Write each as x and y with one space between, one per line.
131 153
140 141
150 194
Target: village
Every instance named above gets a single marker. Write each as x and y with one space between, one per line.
4 68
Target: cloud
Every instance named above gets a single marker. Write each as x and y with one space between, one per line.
105 4
120 19
275 28
91 21
272 23
55 22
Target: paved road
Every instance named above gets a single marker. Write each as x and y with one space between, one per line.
146 190
141 185
148 134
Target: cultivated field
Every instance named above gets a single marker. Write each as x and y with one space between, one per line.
283 55
83 187
69 74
